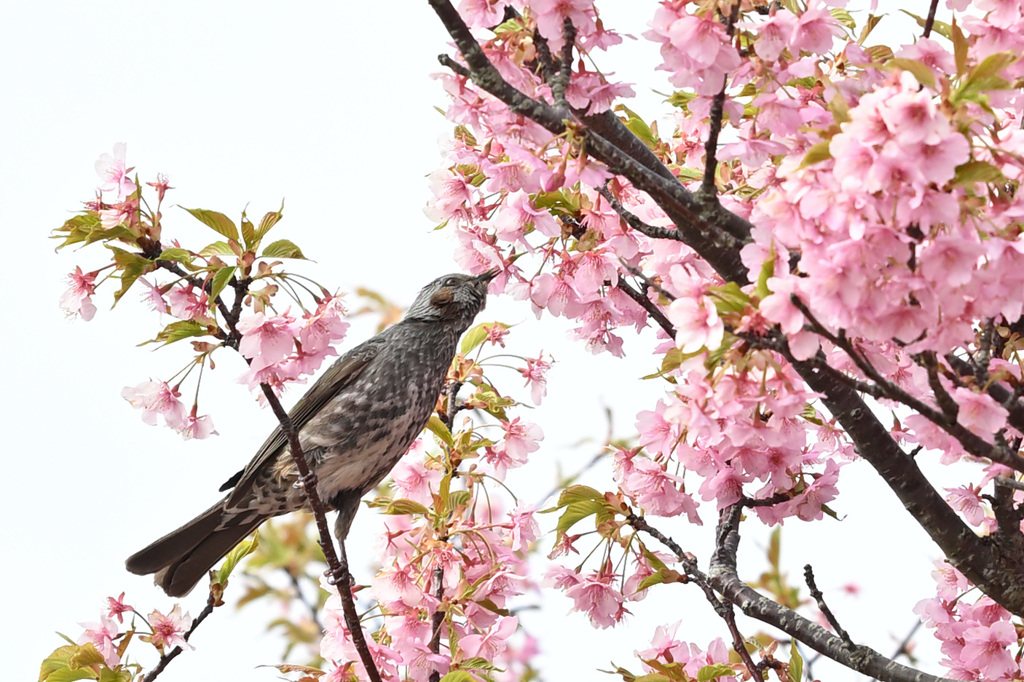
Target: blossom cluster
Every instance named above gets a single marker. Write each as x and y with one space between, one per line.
192 287
882 186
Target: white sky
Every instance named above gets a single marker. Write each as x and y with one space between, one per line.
329 105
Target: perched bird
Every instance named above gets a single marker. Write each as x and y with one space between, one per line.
354 424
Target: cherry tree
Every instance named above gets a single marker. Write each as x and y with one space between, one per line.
826 242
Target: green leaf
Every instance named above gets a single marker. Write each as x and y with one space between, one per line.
653 677
767 272
713 672
217 249
405 506
984 78
456 499
638 126
796 665
458 676
816 154
220 280
119 675
681 99
282 248
843 17
176 331
69 675
241 550
578 493
879 53
922 72
577 511
959 49
438 428
176 255
269 220
730 298
940 27
978 171
248 232
480 664
514 25
218 222
132 266
474 337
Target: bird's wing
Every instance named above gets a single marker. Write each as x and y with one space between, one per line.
344 370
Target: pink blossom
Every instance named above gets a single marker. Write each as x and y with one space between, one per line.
169 630
116 608
77 299
773 34
186 305
979 412
551 15
534 373
397 584
657 434
596 597
521 438
697 324
491 644
413 480
496 334
267 340
161 185
113 173
156 398
967 501
197 427
324 326
815 30
988 649
524 528
102 635
485 13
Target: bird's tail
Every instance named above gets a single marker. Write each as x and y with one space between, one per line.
183 557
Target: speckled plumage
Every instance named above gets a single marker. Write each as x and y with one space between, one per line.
354 424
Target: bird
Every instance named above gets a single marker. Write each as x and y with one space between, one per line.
354 424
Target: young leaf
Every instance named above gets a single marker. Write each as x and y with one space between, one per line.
242 550
218 222
220 280
282 248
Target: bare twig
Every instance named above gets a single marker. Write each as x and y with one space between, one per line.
707 186
819 598
647 304
930 21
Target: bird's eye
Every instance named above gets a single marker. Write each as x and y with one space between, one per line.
451 282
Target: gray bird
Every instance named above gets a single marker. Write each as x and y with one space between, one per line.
354 424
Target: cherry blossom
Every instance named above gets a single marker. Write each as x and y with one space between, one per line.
77 300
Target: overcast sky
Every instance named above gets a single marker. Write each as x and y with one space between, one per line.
330 106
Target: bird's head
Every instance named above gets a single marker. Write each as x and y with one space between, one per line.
454 299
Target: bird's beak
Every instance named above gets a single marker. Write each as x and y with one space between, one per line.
486 277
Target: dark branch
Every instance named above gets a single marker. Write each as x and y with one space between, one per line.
930 21
647 304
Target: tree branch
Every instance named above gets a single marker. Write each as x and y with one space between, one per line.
708 190
725 579
338 567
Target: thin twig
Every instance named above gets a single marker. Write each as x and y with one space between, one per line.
930 21
647 304
819 598
717 113
337 566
